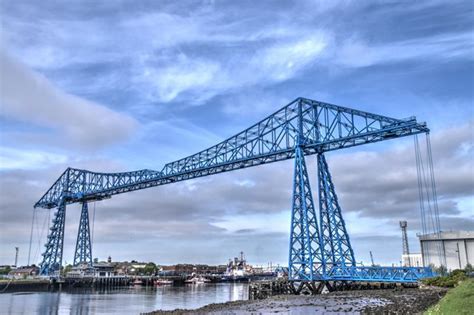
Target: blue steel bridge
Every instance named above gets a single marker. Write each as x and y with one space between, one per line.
320 247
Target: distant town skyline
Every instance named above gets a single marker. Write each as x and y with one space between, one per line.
120 86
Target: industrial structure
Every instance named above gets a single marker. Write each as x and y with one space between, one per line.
457 249
406 248
16 256
412 259
320 246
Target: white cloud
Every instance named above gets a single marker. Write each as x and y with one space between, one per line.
11 158
284 60
199 79
181 74
29 97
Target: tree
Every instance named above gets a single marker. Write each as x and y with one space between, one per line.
150 269
66 269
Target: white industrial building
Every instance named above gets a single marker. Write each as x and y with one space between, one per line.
454 249
412 260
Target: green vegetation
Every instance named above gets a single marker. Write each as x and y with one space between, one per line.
449 281
66 269
459 300
149 270
5 271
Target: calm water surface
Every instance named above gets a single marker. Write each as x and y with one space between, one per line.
132 300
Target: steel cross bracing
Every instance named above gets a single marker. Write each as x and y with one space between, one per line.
324 127
53 255
335 240
305 254
83 252
379 274
301 128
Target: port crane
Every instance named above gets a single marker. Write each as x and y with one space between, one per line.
372 259
320 247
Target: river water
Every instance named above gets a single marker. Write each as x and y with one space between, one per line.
133 300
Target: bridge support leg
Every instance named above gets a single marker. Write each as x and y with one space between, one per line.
83 252
53 255
305 257
336 248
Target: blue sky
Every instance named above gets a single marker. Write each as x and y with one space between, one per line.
121 85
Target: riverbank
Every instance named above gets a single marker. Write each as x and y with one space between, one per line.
20 285
459 300
401 301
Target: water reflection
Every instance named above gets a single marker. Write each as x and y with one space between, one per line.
131 300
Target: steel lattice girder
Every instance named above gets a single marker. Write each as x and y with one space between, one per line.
324 127
83 252
53 255
379 274
336 246
305 260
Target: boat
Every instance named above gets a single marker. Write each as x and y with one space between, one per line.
163 282
137 282
237 270
197 280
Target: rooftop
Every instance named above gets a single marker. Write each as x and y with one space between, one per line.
448 235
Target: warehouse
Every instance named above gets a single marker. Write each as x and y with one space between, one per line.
455 249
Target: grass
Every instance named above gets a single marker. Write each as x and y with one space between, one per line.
459 300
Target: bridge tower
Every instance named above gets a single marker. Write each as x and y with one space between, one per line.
336 246
53 255
83 252
305 259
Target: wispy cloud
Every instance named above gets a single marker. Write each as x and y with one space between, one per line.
359 53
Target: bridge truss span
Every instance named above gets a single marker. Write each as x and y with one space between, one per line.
320 127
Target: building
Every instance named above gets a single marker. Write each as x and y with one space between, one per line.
412 260
188 269
454 249
24 272
81 271
103 270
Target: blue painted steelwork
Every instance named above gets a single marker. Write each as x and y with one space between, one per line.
324 127
305 254
303 127
379 274
53 255
336 246
83 252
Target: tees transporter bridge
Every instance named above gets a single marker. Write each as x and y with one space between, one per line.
320 250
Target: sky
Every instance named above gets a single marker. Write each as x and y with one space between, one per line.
124 85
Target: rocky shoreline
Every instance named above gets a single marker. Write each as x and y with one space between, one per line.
389 301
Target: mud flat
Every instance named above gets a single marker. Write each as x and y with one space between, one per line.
393 301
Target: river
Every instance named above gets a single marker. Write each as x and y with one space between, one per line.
132 300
